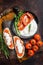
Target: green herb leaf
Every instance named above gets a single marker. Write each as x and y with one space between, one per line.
29 27
3 47
17 20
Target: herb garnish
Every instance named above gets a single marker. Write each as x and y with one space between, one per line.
29 27
3 47
17 20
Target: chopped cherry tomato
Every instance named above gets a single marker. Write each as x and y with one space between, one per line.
19 24
30 52
35 48
39 43
28 46
6 30
37 37
11 46
20 54
16 38
25 19
22 17
30 15
33 41
21 27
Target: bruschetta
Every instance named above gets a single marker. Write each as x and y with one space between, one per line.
19 47
8 38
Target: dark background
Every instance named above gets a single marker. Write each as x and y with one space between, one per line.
35 6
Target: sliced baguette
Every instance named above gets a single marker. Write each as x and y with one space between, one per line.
6 30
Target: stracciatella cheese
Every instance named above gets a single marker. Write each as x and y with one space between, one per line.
8 38
19 46
33 29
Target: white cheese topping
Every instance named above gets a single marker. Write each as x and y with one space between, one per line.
19 46
7 38
33 29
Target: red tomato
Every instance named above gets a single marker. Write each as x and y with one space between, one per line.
25 19
11 45
6 30
28 46
37 37
33 41
18 24
30 15
39 43
30 52
21 27
19 54
35 48
15 38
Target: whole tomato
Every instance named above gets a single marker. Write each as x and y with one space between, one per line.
39 43
35 48
28 46
37 37
30 52
33 41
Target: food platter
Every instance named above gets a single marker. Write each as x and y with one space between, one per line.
9 24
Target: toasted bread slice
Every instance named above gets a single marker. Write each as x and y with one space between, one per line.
19 46
8 38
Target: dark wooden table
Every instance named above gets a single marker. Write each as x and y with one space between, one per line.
35 6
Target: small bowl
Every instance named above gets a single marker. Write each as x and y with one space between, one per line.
14 31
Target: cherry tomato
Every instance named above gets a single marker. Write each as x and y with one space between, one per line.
39 43
19 54
6 30
33 41
37 37
25 19
15 38
35 48
28 46
11 45
21 27
19 24
30 15
30 52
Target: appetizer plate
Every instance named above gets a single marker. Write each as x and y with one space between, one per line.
10 25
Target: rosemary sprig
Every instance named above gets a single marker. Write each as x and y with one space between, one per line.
3 47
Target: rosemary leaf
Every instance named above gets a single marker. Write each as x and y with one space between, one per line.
29 27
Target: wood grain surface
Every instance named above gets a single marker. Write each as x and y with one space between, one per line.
35 6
